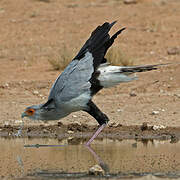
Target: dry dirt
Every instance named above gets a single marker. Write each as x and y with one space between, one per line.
34 31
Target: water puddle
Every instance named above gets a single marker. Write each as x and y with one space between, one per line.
52 159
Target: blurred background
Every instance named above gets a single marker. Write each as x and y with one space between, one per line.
38 38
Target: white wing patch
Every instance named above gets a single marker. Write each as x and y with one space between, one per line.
112 75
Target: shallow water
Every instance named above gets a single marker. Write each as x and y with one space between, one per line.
47 158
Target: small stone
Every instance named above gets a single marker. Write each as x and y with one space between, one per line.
35 92
161 91
9 134
144 126
174 139
6 85
130 1
132 94
96 170
70 138
119 110
163 2
6 123
173 51
13 20
77 122
158 127
74 116
45 131
155 113
177 95
70 132
60 124
46 124
113 124
18 121
152 52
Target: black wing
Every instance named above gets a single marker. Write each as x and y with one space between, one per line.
98 43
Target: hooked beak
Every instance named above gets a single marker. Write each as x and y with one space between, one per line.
23 115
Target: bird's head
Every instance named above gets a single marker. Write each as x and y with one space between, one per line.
33 112
47 111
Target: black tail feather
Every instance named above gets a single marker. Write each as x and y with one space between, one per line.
111 40
97 39
133 69
98 43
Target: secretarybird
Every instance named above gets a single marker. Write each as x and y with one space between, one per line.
87 74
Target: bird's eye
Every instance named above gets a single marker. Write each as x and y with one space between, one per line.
30 112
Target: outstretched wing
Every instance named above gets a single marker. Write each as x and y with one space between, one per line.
77 76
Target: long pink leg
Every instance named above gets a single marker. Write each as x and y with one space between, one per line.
96 134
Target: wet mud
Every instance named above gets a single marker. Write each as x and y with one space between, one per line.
78 133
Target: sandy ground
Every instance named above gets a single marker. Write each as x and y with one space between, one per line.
33 32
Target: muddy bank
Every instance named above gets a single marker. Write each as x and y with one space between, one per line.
83 132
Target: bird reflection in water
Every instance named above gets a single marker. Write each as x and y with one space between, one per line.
98 160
